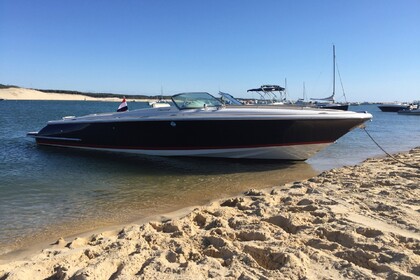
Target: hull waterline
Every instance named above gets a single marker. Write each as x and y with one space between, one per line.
286 152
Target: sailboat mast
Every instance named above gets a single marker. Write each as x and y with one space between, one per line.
333 71
285 88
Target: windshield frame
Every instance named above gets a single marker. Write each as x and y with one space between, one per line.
195 100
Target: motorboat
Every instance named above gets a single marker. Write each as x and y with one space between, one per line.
409 112
159 104
268 94
335 106
394 107
413 109
198 124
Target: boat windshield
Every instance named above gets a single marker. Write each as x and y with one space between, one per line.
195 100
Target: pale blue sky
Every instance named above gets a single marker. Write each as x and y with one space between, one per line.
139 47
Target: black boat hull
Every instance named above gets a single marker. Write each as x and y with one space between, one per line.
342 107
268 139
392 108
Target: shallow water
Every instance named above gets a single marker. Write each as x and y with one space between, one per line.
51 192
393 132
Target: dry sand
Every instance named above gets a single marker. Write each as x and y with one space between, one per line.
31 94
357 222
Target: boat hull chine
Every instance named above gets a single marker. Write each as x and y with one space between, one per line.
289 152
393 108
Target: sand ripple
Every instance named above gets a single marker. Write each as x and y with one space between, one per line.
357 222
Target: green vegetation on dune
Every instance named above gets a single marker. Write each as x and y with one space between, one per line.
91 94
7 86
98 95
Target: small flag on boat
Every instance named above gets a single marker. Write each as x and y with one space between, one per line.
123 106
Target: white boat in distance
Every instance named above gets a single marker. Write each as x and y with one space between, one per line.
409 112
414 109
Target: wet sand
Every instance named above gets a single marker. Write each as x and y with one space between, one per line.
125 189
359 222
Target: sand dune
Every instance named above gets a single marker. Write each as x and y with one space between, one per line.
31 94
357 222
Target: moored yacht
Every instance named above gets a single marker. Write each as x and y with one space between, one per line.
413 109
409 112
268 94
393 107
198 124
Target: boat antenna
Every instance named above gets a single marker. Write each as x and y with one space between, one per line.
333 92
161 93
285 89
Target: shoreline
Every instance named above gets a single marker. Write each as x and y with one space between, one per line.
30 250
195 190
14 94
360 221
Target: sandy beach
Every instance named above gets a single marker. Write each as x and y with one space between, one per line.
355 222
15 93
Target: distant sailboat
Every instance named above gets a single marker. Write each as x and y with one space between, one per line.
302 101
331 104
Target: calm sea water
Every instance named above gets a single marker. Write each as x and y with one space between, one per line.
46 193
